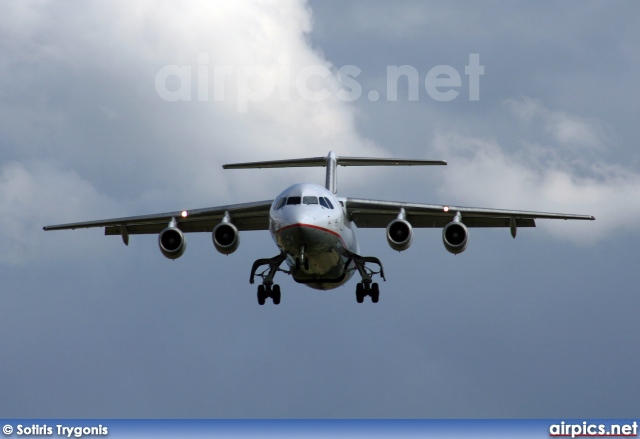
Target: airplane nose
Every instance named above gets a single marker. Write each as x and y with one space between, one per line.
297 216
299 230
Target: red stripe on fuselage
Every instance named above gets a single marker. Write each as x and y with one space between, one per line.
311 226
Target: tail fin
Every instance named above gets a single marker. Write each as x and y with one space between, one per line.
331 161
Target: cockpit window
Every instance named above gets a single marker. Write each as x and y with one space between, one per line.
323 201
328 202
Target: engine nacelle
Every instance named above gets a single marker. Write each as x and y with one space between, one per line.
399 234
454 237
172 243
226 238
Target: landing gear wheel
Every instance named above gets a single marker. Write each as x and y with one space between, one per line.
275 295
262 295
360 292
375 293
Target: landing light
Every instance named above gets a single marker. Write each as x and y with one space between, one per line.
446 208
184 214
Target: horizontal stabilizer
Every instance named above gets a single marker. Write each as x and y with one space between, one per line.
294 163
331 161
340 161
369 161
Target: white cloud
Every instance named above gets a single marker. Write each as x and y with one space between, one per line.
84 96
567 130
36 194
483 173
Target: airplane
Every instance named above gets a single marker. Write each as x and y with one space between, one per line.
313 228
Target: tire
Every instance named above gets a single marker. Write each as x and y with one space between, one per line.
275 295
375 293
261 295
360 293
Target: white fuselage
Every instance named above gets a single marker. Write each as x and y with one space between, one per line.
309 224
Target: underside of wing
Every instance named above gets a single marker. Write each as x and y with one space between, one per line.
378 214
246 216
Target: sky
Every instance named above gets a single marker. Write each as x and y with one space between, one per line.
117 108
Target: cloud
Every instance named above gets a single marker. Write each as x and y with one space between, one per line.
84 100
107 63
37 193
85 135
537 177
566 130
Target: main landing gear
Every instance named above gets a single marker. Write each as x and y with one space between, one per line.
268 289
367 287
363 290
265 291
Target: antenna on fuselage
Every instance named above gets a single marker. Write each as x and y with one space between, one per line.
331 161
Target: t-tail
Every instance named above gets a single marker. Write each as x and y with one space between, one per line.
331 162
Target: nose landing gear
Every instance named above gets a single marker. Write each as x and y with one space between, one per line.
302 260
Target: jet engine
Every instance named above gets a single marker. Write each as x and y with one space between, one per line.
454 237
226 237
399 234
172 243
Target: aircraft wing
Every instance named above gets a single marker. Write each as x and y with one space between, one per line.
246 216
378 214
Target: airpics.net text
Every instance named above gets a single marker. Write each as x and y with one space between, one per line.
315 83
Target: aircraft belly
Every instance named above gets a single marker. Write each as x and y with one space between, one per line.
324 251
